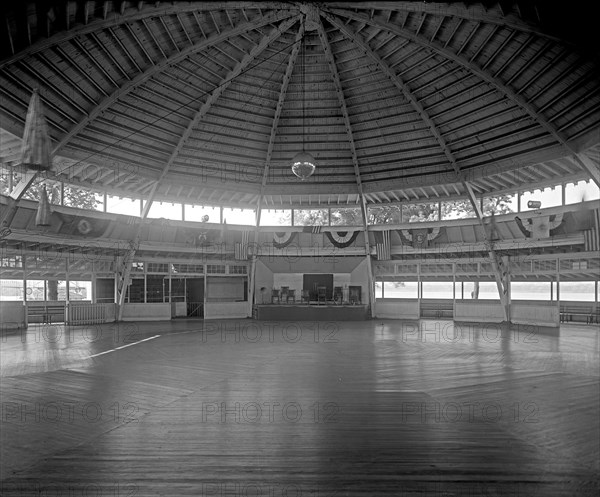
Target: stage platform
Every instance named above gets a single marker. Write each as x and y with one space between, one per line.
312 312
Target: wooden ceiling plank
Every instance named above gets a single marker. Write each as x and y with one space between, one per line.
94 62
498 50
102 47
68 84
124 50
529 62
212 16
229 18
151 34
437 28
169 34
128 87
471 34
399 83
551 64
213 97
458 25
513 56
199 25
139 44
78 70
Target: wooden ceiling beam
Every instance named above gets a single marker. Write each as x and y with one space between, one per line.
100 67
399 83
278 110
152 71
101 46
133 16
475 69
151 33
168 31
124 50
590 166
84 74
183 29
214 96
139 44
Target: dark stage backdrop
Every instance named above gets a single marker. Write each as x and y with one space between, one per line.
312 281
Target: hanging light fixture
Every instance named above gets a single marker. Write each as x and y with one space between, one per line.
303 164
44 212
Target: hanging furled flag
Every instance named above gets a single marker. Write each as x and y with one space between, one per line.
341 239
591 237
241 248
382 245
36 148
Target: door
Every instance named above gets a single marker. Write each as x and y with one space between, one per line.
195 297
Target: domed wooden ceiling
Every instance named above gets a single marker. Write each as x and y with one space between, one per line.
208 102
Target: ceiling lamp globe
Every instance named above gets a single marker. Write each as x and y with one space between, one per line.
303 165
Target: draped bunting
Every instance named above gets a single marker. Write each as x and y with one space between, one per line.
82 226
341 239
418 237
282 239
539 227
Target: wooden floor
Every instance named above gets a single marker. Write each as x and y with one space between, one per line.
249 408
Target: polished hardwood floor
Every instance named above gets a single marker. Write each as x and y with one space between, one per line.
250 408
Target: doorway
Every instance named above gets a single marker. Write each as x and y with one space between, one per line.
195 297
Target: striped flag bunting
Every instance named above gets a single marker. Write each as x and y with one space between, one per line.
341 239
283 239
591 237
418 238
315 230
382 245
241 248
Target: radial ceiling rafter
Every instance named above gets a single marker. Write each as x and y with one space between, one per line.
420 113
275 33
398 82
278 110
467 64
157 68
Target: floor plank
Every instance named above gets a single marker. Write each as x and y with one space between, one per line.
263 408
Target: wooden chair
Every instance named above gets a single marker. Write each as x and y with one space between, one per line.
305 296
321 294
338 295
275 295
291 295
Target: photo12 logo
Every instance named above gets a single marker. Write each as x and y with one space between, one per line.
256 412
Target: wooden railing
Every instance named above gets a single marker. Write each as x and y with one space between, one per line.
88 313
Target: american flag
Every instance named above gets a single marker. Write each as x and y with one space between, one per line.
241 248
312 229
591 236
382 245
